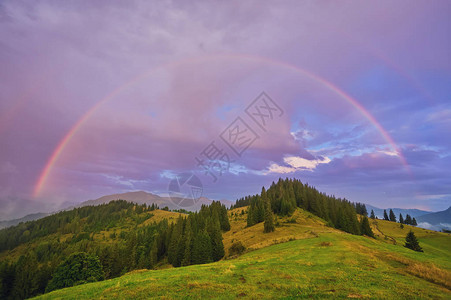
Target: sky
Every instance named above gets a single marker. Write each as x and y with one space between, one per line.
103 97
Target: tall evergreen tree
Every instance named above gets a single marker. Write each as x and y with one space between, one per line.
364 210
224 219
408 220
360 208
401 219
201 248
365 228
154 254
188 243
372 216
217 247
412 242
392 216
131 250
250 216
174 244
268 226
414 222
386 216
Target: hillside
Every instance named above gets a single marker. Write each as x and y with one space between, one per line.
78 231
138 197
301 259
300 225
119 238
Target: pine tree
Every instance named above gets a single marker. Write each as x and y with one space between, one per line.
401 219
360 208
217 247
269 218
392 216
131 250
260 209
354 225
250 216
364 210
386 216
153 254
365 228
188 243
372 216
201 248
412 242
176 239
224 219
408 220
414 222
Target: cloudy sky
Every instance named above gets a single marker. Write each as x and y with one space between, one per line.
101 97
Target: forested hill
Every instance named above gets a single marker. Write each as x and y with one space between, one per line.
283 197
108 240
111 239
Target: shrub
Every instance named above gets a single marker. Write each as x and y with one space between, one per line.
237 248
292 220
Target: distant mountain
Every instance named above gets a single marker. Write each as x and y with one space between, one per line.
413 212
31 217
437 219
141 197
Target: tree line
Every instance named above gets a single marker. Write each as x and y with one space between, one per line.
67 239
392 217
283 197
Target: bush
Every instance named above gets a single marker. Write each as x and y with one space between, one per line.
237 248
292 220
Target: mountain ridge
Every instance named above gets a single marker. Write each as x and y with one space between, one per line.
413 212
143 197
438 219
138 197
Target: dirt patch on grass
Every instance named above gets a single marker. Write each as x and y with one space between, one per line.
355 296
137 271
325 244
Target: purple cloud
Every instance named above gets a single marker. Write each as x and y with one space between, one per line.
183 72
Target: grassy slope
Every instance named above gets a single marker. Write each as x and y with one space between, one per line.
320 263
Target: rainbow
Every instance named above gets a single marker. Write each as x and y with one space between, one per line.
62 145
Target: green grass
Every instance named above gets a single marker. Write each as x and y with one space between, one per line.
332 265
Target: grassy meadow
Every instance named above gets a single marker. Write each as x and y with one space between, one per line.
303 258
